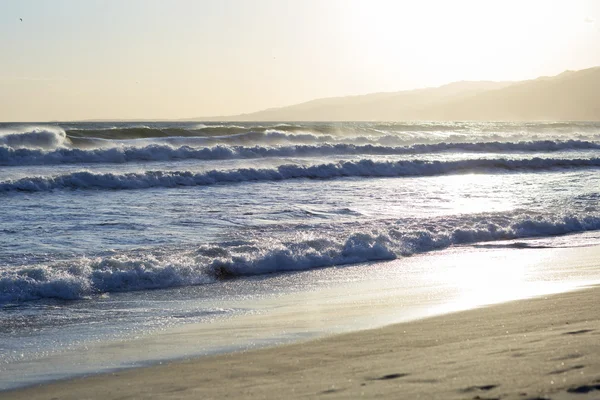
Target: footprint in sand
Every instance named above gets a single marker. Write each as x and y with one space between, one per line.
562 371
477 388
390 376
578 332
583 389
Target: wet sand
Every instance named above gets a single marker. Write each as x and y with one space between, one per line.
544 347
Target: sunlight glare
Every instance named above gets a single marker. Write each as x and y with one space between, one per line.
459 39
489 277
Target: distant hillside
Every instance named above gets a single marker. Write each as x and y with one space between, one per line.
572 95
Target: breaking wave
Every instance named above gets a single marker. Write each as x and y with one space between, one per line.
102 135
342 169
22 156
34 138
166 268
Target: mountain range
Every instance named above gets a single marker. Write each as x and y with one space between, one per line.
569 96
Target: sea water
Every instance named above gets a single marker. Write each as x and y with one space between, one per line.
115 230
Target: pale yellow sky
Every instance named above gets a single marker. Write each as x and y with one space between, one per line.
143 59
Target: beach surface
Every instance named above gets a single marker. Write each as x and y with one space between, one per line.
540 348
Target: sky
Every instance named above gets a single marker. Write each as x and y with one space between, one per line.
146 59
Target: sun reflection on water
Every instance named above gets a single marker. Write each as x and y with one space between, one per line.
474 193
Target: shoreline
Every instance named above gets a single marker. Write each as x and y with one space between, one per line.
531 348
339 300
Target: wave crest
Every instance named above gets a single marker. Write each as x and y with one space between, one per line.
274 253
362 168
11 156
34 138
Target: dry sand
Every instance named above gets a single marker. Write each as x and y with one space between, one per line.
542 348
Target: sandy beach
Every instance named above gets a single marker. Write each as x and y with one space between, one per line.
541 348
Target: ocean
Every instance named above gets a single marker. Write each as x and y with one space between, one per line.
118 230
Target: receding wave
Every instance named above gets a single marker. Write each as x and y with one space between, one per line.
342 169
257 255
10 156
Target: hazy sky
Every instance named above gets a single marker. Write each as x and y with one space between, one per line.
80 59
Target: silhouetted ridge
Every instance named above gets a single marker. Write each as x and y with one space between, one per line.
570 96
